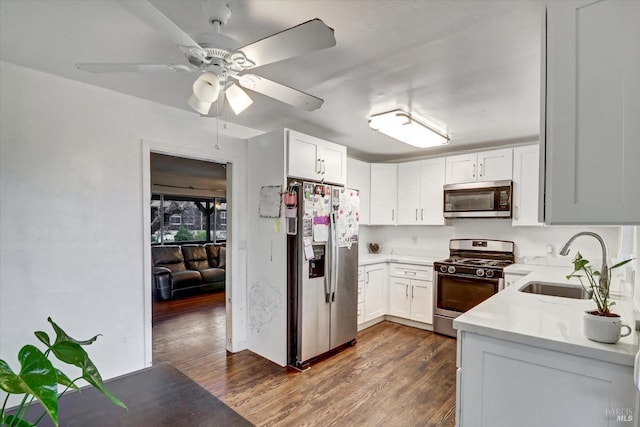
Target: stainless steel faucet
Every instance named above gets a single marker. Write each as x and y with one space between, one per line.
605 275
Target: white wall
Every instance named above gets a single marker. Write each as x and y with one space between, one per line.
531 242
72 212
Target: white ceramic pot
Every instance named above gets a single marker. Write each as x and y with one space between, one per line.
606 329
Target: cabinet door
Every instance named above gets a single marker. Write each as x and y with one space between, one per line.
432 198
384 185
358 177
374 303
333 162
422 301
503 383
511 278
409 186
461 168
400 297
302 160
592 109
495 165
526 173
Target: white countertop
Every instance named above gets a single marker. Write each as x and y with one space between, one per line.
549 322
368 259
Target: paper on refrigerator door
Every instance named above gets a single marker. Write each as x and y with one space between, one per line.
308 249
321 211
348 217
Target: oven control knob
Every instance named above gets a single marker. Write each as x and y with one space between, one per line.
451 269
443 269
480 272
489 273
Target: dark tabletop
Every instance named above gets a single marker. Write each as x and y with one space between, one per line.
157 396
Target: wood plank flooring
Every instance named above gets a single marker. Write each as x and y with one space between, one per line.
394 376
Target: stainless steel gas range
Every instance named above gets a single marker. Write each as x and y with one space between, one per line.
472 273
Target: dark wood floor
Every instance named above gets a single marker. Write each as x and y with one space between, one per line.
394 376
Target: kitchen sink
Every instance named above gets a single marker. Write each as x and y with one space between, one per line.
556 290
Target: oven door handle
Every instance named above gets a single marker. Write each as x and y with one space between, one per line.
469 276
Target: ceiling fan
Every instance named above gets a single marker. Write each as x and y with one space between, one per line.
223 62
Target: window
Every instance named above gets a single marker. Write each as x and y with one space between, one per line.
175 219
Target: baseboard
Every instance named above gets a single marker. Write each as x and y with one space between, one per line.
400 320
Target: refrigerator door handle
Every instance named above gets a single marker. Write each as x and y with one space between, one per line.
334 256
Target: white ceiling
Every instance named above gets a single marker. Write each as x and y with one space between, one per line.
471 66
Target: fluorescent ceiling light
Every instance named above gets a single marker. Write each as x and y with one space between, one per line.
238 99
406 128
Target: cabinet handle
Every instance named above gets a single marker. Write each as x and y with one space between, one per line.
412 287
323 167
517 212
481 169
422 214
416 214
318 165
406 290
474 170
393 214
367 277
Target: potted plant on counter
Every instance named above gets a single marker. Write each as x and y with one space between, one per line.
39 379
601 324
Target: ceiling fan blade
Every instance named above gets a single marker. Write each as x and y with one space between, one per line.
306 37
133 68
146 12
280 92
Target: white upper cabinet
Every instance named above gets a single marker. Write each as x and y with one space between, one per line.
526 173
493 165
462 168
316 159
359 177
420 194
384 186
409 188
591 130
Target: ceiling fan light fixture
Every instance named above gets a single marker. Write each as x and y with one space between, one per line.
201 107
207 88
405 127
238 99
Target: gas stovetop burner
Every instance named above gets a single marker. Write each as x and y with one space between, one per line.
479 262
474 255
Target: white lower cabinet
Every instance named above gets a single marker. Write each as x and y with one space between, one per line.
503 383
411 292
374 291
360 295
511 278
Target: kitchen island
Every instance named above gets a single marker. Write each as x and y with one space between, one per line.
523 360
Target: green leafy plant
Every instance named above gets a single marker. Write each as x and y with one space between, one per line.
582 269
183 235
39 379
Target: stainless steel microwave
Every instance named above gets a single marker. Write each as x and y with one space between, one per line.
478 200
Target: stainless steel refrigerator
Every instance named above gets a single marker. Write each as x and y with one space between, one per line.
322 250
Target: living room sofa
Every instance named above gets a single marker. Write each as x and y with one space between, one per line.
180 270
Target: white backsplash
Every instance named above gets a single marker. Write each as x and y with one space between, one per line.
530 242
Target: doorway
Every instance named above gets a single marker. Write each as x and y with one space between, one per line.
188 217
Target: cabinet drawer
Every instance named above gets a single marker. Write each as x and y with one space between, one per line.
410 271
